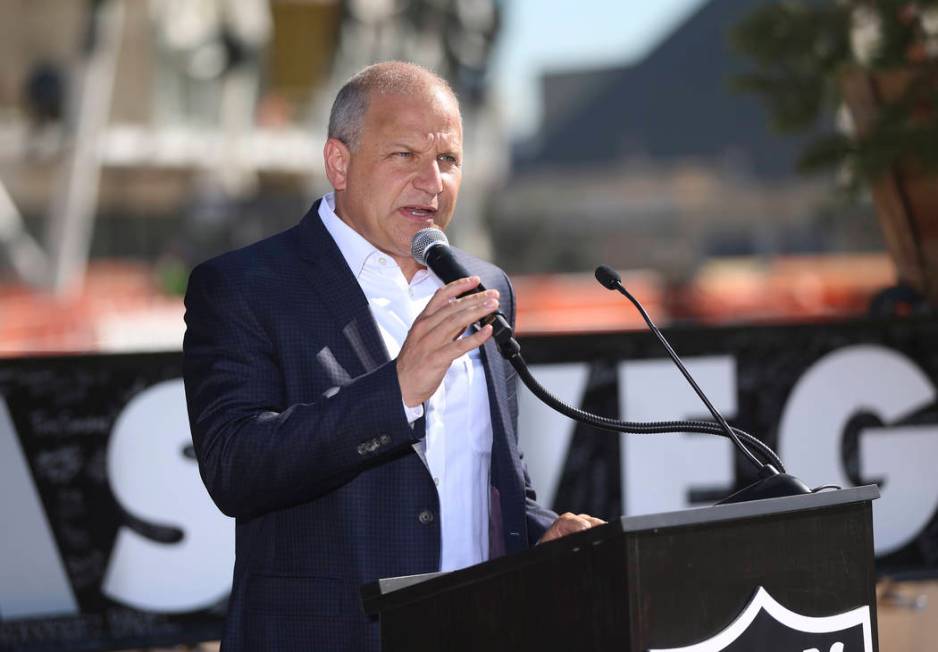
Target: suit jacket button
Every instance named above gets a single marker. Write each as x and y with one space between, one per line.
426 517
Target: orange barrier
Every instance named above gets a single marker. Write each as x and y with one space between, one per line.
123 309
569 303
119 308
783 289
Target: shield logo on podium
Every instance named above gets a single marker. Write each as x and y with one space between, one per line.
767 626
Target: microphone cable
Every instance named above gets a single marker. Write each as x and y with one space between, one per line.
642 427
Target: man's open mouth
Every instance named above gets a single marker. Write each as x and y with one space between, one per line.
419 211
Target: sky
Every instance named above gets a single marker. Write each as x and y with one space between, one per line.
550 35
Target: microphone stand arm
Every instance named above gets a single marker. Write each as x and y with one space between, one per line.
773 480
511 351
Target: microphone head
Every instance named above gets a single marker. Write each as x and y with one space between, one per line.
423 240
608 277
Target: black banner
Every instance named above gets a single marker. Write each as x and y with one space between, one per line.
63 412
111 542
818 394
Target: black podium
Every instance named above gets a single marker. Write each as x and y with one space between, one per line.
788 574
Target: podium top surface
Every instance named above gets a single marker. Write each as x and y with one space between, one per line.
717 513
381 593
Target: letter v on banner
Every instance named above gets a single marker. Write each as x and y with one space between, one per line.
33 581
545 434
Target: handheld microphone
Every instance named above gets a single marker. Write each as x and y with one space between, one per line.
771 482
430 247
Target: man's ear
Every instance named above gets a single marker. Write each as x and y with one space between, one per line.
336 156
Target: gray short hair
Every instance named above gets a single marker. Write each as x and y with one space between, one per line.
389 77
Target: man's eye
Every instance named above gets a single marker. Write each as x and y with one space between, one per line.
403 154
449 159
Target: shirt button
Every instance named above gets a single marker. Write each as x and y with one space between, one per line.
436 481
383 261
426 517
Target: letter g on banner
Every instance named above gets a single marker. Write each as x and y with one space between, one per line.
902 458
155 482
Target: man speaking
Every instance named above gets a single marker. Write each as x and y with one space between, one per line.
342 409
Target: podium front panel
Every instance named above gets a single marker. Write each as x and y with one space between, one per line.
649 582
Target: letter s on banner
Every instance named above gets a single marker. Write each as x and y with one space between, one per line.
873 379
155 482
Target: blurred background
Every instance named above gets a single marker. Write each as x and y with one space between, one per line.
138 138
741 162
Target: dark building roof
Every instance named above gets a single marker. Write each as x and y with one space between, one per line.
674 105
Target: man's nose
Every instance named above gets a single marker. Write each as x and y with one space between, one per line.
428 177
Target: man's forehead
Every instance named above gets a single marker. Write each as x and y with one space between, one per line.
420 114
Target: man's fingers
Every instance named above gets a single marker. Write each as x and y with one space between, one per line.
568 523
451 320
467 315
449 291
592 520
434 340
470 342
575 523
569 527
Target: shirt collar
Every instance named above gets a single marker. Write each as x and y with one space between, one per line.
355 249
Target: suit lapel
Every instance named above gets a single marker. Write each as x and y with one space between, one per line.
331 278
507 473
504 444
492 360
493 363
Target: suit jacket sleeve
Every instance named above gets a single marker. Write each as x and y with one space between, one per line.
257 454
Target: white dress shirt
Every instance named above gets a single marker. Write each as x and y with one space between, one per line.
457 448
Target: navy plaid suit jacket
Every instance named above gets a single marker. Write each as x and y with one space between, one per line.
300 434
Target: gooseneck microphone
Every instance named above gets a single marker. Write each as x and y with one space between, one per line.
771 483
431 248
611 280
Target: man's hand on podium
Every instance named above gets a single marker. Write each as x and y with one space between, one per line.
568 523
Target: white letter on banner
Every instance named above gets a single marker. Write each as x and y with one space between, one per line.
32 578
153 480
659 471
881 381
544 434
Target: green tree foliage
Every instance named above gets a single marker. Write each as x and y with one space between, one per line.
800 50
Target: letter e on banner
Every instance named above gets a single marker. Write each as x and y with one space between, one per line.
659 472
155 482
